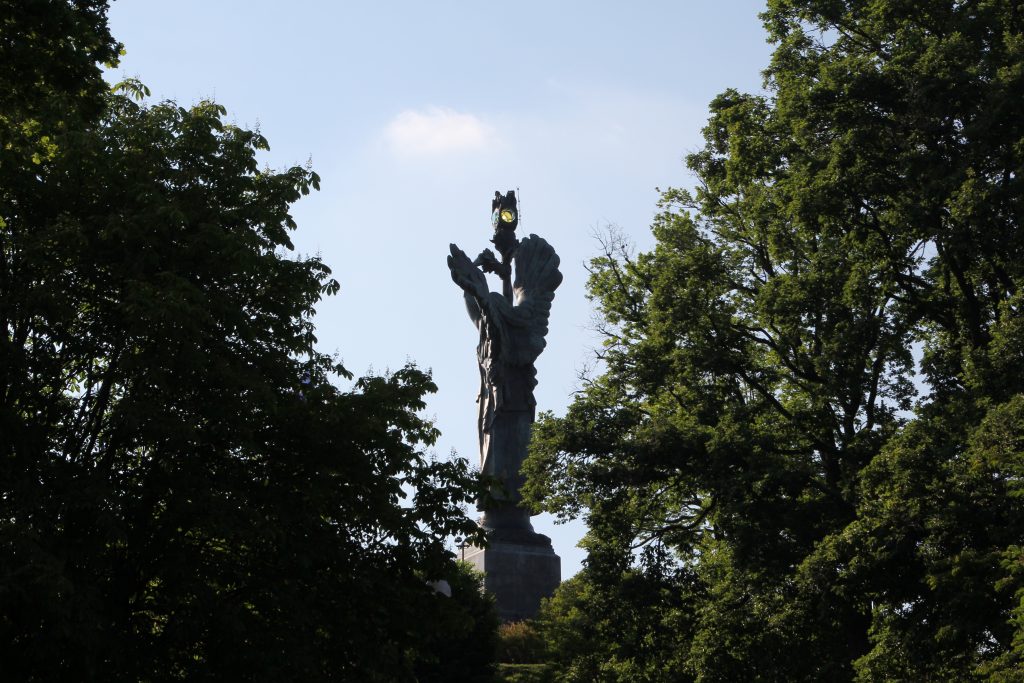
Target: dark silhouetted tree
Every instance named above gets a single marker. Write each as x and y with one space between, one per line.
184 493
758 423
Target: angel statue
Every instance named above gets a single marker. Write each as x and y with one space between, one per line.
512 327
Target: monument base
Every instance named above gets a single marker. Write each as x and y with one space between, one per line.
520 567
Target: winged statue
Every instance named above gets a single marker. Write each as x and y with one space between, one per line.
512 327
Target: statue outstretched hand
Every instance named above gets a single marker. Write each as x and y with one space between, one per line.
466 275
489 263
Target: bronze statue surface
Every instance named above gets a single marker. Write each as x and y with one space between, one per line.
512 326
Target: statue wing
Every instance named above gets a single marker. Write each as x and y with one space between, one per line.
536 279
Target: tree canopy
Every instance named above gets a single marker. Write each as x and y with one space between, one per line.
807 433
184 491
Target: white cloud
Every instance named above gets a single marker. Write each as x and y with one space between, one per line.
437 130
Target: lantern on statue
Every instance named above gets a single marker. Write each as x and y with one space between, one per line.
504 219
504 212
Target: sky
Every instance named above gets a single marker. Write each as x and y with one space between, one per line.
414 113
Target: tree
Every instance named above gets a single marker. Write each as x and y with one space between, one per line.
464 632
48 65
184 492
633 627
848 511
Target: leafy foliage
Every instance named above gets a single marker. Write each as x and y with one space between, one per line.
631 627
762 425
524 673
184 492
520 643
465 633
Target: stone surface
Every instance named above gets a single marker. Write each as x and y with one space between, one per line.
517 574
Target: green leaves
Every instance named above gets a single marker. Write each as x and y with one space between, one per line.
185 491
754 411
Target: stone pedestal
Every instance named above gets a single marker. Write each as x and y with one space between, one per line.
520 567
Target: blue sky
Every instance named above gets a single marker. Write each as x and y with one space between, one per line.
414 113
